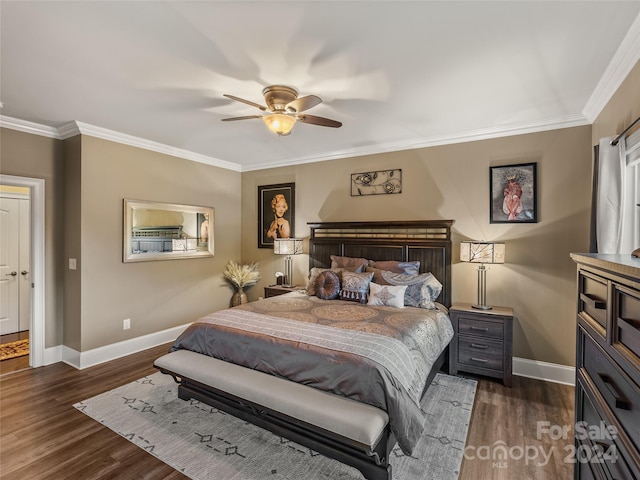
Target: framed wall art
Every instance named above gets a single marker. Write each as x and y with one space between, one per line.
513 194
376 183
275 213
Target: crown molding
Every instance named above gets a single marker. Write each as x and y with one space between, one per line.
471 136
123 138
29 127
74 128
623 61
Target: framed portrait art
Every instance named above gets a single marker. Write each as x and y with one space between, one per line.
513 194
275 213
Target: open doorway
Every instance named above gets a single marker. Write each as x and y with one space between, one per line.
15 280
31 326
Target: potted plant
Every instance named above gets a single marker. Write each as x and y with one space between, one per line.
240 277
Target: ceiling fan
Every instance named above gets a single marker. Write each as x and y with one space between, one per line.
284 109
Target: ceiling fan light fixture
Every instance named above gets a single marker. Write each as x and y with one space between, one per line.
279 123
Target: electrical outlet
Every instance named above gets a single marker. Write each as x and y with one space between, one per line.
126 324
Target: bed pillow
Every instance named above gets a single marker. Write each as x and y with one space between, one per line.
352 264
389 295
313 275
355 286
408 268
422 290
327 285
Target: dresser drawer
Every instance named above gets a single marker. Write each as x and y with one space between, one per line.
468 325
618 390
597 442
480 352
592 298
627 322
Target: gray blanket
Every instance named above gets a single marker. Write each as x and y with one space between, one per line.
380 370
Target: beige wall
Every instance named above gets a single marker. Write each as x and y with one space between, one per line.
154 295
33 156
452 182
86 180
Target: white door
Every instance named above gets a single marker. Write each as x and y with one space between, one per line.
25 267
9 265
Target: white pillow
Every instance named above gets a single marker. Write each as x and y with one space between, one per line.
390 295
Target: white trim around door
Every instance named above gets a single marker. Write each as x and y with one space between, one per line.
37 327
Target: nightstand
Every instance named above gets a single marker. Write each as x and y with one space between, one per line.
275 290
482 341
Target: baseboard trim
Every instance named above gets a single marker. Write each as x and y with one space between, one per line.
550 372
81 360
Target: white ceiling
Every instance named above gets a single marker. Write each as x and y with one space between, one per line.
397 74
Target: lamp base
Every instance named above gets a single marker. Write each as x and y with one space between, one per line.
482 307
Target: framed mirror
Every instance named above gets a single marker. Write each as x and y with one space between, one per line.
166 231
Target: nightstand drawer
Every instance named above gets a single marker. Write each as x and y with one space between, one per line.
472 326
480 352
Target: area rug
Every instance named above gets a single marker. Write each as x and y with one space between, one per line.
19 348
205 443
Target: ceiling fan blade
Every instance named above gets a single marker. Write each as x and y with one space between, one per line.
303 103
248 102
323 122
233 119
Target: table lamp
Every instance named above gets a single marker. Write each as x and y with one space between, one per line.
482 252
288 247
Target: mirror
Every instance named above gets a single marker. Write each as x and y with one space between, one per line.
166 231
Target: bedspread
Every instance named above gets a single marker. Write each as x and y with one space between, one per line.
378 355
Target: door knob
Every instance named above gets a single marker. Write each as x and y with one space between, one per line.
24 272
13 274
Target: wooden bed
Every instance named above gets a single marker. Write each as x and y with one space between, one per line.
426 241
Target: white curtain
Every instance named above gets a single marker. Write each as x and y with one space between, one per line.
617 214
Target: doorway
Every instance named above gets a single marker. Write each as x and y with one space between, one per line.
34 277
15 282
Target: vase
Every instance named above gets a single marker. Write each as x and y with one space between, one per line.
238 298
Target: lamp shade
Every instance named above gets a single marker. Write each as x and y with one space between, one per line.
287 246
279 123
482 252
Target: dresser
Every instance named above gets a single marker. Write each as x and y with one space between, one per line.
482 342
607 410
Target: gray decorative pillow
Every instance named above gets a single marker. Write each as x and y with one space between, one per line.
352 264
355 286
327 285
390 295
422 290
408 268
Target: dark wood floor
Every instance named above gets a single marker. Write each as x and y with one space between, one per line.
43 437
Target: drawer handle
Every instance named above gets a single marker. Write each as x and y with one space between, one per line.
481 360
593 302
480 329
478 345
621 402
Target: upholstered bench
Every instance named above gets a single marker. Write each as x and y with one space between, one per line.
349 431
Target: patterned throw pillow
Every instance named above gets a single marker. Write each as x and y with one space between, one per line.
313 275
422 290
327 285
392 296
409 268
355 286
352 264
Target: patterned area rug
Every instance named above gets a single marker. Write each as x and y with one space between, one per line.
19 348
205 443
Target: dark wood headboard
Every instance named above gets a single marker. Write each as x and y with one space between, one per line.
428 241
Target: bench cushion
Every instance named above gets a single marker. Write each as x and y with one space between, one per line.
340 415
